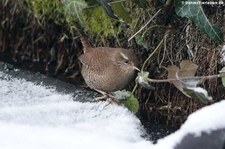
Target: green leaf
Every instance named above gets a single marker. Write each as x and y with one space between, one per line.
131 103
141 3
122 95
74 7
222 73
121 12
141 42
143 80
107 8
199 94
128 99
195 13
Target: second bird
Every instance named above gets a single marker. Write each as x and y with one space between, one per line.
107 69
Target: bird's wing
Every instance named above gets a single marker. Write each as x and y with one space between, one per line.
94 63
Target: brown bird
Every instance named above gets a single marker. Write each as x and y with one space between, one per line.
107 69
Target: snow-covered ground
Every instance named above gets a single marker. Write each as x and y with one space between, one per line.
38 117
206 120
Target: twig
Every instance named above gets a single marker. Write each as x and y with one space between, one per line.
181 78
145 62
134 89
144 25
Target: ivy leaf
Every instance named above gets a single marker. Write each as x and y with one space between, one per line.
107 8
222 73
141 42
199 94
187 69
142 79
172 71
121 12
128 99
121 95
184 80
131 103
74 7
194 12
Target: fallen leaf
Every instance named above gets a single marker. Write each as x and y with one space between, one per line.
187 69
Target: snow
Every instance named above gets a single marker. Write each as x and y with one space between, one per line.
206 120
34 117
38 117
201 91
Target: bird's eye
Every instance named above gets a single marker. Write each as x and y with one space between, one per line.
126 61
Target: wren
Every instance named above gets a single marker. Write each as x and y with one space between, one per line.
107 69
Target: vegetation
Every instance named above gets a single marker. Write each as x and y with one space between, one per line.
41 35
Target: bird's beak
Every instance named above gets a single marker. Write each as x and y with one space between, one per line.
136 68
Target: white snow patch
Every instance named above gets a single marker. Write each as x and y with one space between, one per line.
201 90
206 119
34 117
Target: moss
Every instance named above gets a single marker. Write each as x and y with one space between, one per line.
44 10
97 22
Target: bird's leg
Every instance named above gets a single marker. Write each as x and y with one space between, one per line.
106 95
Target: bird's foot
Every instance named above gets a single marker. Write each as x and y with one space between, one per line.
106 95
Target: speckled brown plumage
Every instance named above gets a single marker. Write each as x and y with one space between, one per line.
107 69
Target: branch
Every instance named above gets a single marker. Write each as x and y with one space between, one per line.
196 77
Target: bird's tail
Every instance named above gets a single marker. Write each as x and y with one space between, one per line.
84 42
